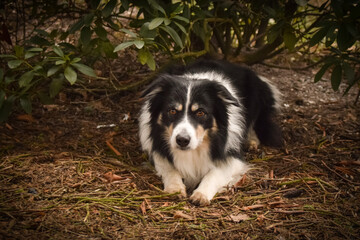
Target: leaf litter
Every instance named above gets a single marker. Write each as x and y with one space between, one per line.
61 177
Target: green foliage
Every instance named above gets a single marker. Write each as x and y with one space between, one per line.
42 63
339 26
31 71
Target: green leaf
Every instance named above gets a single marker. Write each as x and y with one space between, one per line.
139 44
39 41
181 18
344 38
108 49
151 62
330 36
156 6
349 73
101 32
77 26
9 79
26 79
321 72
336 77
85 35
128 32
53 70
58 62
7 56
26 104
55 86
19 51
38 68
84 69
145 32
75 60
167 21
70 75
181 27
30 54
14 63
58 51
155 23
123 45
318 36
289 39
35 50
109 7
143 55
88 18
173 35
272 35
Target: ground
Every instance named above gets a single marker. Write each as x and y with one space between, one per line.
74 170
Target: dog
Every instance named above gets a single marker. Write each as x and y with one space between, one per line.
195 121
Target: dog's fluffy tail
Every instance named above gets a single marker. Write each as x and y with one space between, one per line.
268 131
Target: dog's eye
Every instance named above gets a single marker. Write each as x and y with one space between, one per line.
172 111
200 113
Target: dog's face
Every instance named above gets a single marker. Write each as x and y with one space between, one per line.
189 112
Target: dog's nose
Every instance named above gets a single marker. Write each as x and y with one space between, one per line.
183 140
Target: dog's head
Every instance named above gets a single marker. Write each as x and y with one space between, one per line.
188 111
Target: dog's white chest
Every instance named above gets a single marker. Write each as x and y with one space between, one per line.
193 165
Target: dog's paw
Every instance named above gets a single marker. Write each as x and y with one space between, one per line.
177 188
199 199
253 145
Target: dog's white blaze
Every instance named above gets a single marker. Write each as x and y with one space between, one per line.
236 122
145 128
185 127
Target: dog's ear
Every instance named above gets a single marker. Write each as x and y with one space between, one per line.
224 95
160 84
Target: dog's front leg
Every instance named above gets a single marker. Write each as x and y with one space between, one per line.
216 179
170 176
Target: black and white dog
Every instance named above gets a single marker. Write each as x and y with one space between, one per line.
195 120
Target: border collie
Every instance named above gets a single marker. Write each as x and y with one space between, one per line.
196 119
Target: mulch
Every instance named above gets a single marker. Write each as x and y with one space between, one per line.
74 170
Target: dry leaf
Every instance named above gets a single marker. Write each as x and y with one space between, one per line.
180 214
143 208
110 176
253 207
239 217
26 118
241 181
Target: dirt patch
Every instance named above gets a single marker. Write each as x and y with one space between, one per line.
55 168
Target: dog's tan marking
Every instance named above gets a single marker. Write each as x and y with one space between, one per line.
179 107
169 131
194 107
159 120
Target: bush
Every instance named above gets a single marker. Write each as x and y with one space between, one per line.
42 62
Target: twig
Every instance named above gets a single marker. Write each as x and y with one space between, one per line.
339 174
113 148
307 179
